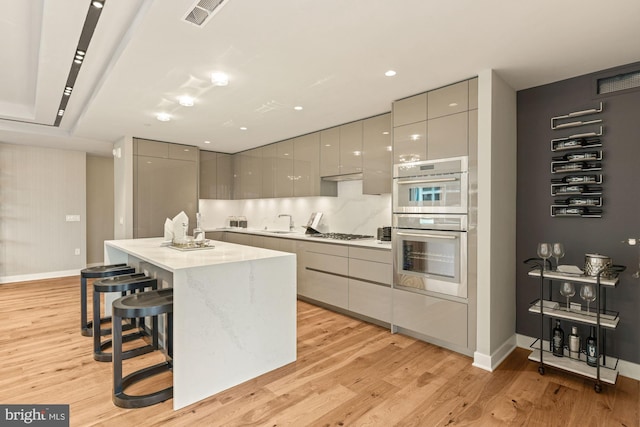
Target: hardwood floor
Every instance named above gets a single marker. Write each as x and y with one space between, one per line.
348 373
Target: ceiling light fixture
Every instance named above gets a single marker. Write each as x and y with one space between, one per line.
186 101
67 91
390 73
60 112
98 4
163 117
207 142
298 108
243 128
219 79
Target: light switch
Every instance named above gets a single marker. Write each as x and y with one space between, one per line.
73 218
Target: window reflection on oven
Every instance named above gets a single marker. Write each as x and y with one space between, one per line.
425 194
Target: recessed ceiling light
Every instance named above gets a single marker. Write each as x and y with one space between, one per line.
163 117
186 101
390 73
219 79
186 149
243 128
98 3
207 142
60 112
297 107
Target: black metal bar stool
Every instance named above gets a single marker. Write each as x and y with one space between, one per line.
127 283
97 272
144 304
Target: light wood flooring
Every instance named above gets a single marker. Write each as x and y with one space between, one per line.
348 373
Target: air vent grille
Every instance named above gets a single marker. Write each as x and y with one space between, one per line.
202 11
619 82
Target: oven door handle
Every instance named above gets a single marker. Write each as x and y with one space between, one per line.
429 236
427 181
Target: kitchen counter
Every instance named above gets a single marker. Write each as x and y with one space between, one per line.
234 311
367 243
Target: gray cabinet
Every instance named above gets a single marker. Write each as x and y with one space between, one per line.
284 169
306 165
165 182
447 136
377 158
473 94
370 278
327 267
224 176
410 110
208 175
447 100
410 142
351 148
269 164
252 174
330 152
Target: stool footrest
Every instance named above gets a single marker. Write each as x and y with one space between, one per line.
102 356
123 400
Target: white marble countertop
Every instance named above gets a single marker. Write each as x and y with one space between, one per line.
369 243
150 250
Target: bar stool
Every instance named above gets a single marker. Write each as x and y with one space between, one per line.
126 283
145 304
97 272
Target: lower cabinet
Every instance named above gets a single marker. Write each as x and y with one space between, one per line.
438 318
325 287
370 299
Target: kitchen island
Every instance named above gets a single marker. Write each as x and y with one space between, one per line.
234 312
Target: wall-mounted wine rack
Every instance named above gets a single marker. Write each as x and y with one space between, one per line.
577 179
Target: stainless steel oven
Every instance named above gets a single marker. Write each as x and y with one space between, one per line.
430 253
432 186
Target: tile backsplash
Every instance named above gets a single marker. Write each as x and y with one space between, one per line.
349 212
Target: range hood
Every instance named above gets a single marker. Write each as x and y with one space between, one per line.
346 177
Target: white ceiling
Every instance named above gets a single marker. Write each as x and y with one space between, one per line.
328 56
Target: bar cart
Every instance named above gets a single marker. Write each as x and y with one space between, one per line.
605 370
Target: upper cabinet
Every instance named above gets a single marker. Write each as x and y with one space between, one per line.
330 152
306 165
410 142
376 155
448 100
284 169
351 148
447 136
252 174
410 110
269 164
215 175
224 176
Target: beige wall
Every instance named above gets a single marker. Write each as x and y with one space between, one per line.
39 187
100 210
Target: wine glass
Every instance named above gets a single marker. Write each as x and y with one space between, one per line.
544 252
567 290
588 293
557 249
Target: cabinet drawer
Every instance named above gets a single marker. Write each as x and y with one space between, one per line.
325 288
370 300
441 319
329 263
410 110
369 270
376 255
327 248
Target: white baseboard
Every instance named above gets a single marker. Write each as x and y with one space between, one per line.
491 362
39 276
627 369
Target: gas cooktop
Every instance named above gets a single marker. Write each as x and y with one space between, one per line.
341 236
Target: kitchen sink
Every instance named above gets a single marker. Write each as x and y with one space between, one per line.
279 231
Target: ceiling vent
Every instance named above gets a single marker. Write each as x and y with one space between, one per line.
203 10
619 82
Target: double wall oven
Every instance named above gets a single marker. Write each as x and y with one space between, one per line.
430 214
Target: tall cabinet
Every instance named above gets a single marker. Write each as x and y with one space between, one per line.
376 154
165 182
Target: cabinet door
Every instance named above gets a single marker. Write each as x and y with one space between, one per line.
473 94
208 172
284 169
224 176
238 163
410 143
370 300
306 165
268 170
448 100
148 148
448 136
183 152
351 148
376 155
410 110
252 174
330 152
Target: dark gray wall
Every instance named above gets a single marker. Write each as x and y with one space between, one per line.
621 218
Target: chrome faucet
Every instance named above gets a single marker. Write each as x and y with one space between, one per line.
290 220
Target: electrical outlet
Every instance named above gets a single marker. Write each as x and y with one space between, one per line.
77 251
73 218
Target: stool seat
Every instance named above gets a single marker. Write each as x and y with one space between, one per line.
144 304
136 282
96 272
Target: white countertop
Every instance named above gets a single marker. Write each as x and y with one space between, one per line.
368 243
171 259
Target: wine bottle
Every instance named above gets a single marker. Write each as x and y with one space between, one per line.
574 343
557 347
592 348
575 179
576 157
